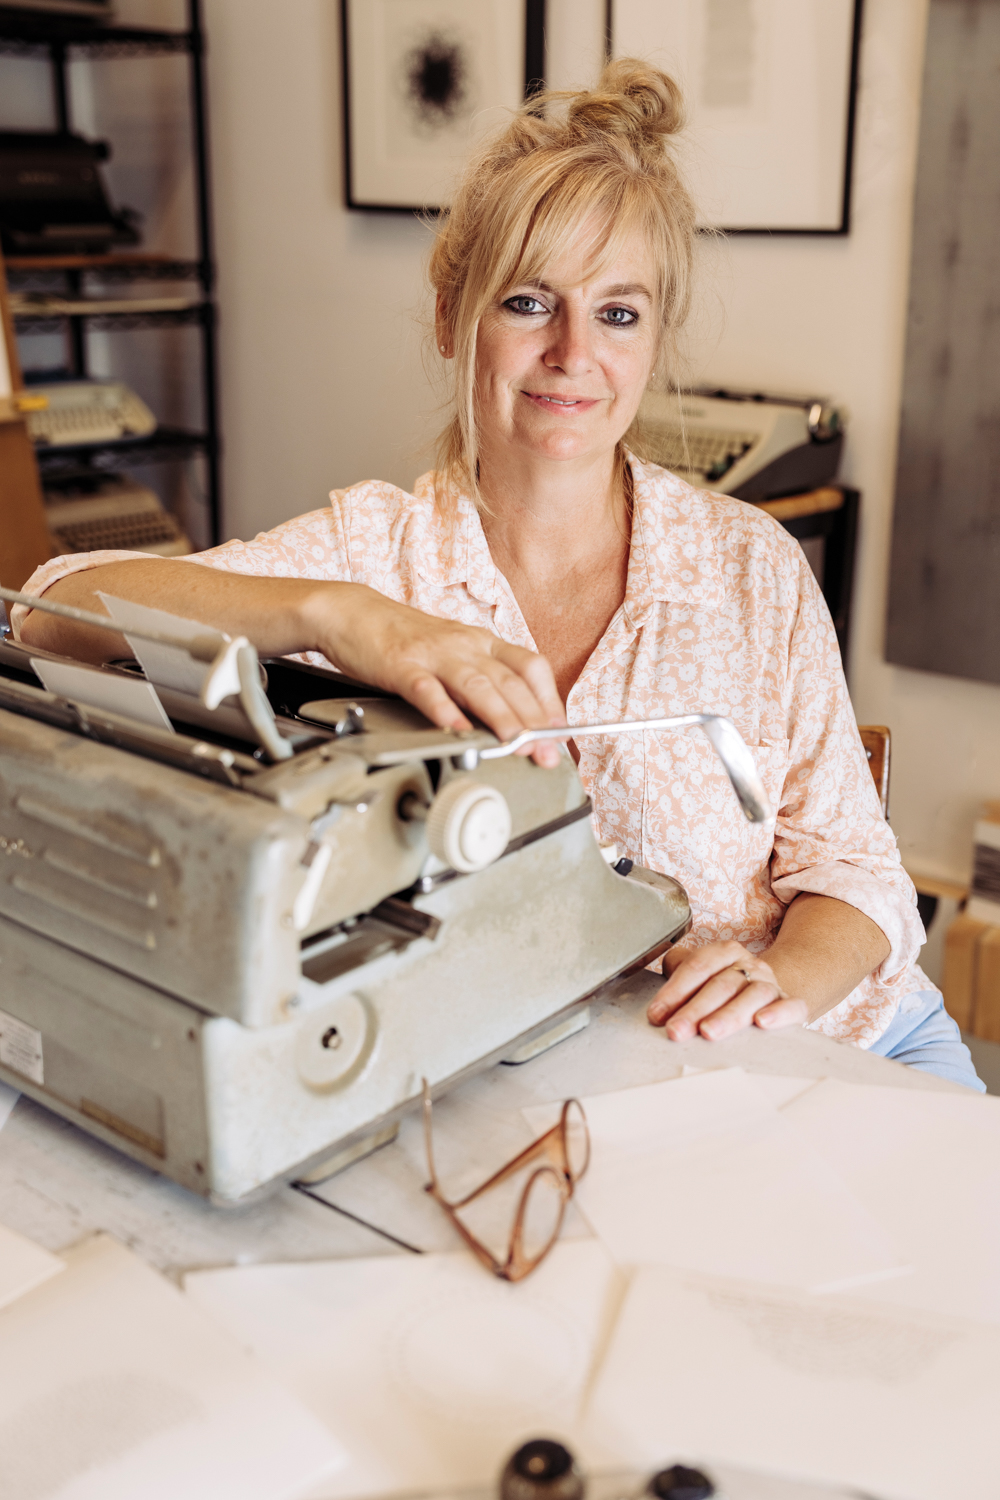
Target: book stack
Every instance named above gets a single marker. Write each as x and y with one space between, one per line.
972 943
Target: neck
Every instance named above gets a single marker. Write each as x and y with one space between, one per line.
541 516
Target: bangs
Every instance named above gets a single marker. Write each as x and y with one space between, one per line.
601 224
585 174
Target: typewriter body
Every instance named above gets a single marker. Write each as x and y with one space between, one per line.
750 446
238 971
52 197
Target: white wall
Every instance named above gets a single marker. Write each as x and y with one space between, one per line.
322 377
830 315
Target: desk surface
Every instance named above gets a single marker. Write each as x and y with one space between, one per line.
58 1184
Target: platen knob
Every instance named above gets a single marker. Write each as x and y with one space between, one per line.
468 825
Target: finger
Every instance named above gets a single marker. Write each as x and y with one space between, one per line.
426 693
477 692
685 1021
531 714
538 674
690 971
738 1013
519 696
782 1012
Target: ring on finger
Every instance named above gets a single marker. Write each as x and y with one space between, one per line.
752 978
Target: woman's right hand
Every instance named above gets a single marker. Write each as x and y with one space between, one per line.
445 669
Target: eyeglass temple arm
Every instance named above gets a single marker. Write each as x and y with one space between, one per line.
428 1137
728 743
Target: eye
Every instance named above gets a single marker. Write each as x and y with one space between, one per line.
526 306
620 317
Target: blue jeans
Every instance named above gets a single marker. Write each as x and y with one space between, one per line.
924 1036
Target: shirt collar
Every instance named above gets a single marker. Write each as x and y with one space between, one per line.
455 550
673 559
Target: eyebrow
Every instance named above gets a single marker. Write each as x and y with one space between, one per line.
622 289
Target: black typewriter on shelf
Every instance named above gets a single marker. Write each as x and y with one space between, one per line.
52 198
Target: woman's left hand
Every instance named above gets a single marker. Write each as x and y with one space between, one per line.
718 989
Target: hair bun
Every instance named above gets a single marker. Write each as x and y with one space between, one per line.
631 99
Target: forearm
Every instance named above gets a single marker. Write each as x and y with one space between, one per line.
277 614
445 669
824 949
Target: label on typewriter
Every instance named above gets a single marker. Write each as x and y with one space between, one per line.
21 1047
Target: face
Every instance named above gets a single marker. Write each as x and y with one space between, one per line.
562 362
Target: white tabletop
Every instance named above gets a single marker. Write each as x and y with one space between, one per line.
58 1184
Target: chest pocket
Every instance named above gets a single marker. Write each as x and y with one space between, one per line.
686 774
771 757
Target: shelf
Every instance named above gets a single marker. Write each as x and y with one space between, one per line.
65 463
137 266
110 322
71 278
28 34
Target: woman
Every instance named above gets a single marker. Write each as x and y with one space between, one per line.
561 276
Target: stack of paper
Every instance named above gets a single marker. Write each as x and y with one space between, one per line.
430 1369
794 1256
883 1389
703 1173
23 1265
928 1165
902 1405
113 1386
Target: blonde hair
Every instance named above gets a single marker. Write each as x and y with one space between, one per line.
567 159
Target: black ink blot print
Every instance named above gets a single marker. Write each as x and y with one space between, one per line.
436 80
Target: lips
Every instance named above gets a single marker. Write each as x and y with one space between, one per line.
559 403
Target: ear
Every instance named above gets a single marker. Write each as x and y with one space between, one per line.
442 331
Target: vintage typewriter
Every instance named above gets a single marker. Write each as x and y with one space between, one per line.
52 197
235 938
739 443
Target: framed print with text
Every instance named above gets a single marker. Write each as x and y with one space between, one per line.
423 81
770 87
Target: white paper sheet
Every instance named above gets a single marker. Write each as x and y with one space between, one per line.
23 1265
129 696
166 666
431 1370
113 1386
703 1173
8 1098
831 1389
928 1165
777 1088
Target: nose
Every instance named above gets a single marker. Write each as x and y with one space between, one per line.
570 349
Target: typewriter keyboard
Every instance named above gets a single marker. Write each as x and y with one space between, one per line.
87 412
706 452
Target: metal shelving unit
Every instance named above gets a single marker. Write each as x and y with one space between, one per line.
60 38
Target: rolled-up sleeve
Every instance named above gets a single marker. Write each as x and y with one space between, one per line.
831 837
310 546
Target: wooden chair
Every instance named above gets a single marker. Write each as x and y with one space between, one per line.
878 743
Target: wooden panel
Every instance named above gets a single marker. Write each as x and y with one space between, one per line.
813 503
961 962
943 614
986 1014
24 536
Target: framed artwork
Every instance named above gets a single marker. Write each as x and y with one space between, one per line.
770 88
423 81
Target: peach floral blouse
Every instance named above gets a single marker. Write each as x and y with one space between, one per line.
721 614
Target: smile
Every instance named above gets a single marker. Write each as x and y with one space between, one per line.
561 401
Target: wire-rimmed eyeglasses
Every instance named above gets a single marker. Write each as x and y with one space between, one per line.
564 1155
